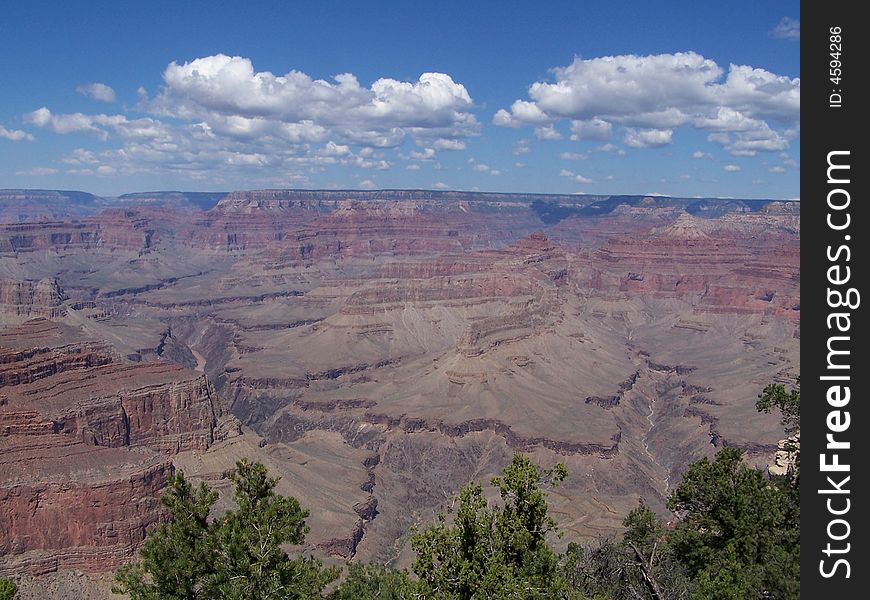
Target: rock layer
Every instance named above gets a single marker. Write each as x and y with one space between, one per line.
85 448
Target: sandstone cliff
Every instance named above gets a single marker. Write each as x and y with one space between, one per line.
85 448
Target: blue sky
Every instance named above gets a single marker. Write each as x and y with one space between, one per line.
677 98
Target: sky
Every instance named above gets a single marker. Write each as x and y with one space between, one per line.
674 98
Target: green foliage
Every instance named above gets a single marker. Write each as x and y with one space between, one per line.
232 557
788 402
7 589
640 565
178 556
374 582
739 532
494 551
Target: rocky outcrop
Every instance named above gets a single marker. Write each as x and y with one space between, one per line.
75 506
112 229
85 448
43 298
786 461
19 367
743 266
159 405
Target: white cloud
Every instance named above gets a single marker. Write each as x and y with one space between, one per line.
495 172
647 138
787 29
522 146
98 125
607 147
547 133
700 154
566 173
581 179
217 118
106 170
521 113
443 144
440 185
731 168
777 169
16 135
412 168
37 172
333 149
367 163
367 184
662 93
750 143
573 156
426 154
97 91
593 129
520 165
382 113
481 167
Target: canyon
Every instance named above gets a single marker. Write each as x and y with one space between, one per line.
376 350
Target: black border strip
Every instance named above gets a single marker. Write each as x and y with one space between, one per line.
832 122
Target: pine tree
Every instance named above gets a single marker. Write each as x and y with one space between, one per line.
236 556
494 551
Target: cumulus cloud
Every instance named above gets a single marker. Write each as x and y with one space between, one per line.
566 173
750 143
440 185
99 125
547 133
381 114
592 129
521 113
442 144
573 156
700 154
216 115
97 91
367 184
661 93
787 29
731 168
16 135
647 138
776 169
333 149
413 167
426 154
481 167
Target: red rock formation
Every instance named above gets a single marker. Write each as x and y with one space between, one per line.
43 298
115 229
745 265
74 505
85 447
